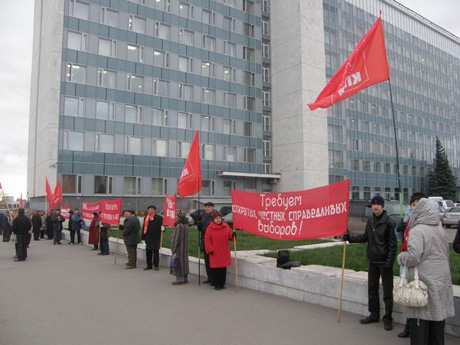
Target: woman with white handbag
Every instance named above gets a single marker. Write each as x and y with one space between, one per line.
428 251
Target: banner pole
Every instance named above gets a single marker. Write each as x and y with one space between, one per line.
339 314
116 251
199 249
159 253
237 279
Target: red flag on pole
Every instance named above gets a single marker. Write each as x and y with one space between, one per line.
366 66
21 202
57 195
190 179
170 210
49 194
111 211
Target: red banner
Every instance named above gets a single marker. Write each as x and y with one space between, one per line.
311 214
169 210
88 209
111 211
65 211
190 179
49 194
57 195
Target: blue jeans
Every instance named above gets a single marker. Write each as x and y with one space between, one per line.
105 246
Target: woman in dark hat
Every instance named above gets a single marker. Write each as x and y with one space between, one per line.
179 247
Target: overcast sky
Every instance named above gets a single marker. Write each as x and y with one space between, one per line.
16 29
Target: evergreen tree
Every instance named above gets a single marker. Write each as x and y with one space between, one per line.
441 180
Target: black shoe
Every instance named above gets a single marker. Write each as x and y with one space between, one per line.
147 268
156 268
100 253
369 319
59 243
405 333
218 288
207 281
388 325
130 267
106 254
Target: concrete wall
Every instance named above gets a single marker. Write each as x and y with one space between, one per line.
44 95
300 144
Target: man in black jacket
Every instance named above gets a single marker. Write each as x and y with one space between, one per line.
21 228
381 253
132 236
7 224
36 225
151 234
57 220
204 222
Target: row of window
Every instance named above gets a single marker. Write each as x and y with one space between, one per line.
336 161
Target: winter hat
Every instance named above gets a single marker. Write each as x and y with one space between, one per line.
214 214
378 200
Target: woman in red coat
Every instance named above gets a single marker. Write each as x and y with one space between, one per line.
217 236
94 231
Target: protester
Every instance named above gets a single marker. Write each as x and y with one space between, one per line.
69 223
7 226
21 227
204 223
105 250
131 234
57 220
381 252
2 219
428 249
43 227
402 234
456 243
218 234
75 225
94 231
49 225
151 234
36 225
179 247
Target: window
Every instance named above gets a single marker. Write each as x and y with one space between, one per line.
230 49
105 143
336 159
163 31
355 165
249 155
186 37
73 106
107 47
207 187
229 74
209 151
377 167
132 186
229 24
134 83
267 148
209 43
160 117
109 17
367 193
185 64
208 17
355 192
366 166
184 120
159 186
160 87
248 29
186 10
135 53
267 168
163 5
230 153
249 129
160 59
229 100
105 110
207 69
227 187
249 78
102 184
73 141
133 146
265 28
354 124
160 148
266 123
136 24
248 54
249 103
266 98
266 51
265 75
366 146
133 114
229 126
387 168
184 149
365 126
209 96
79 9
186 92
248 6
265 6
207 123
229 3
77 41
76 73
335 134
106 78
71 184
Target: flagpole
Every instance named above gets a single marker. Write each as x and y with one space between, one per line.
199 249
397 151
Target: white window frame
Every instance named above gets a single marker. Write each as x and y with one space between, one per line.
98 142
132 24
164 185
235 156
226 99
232 74
267 168
180 146
214 100
212 69
83 40
232 23
113 47
267 151
266 75
190 10
203 150
267 127
165 63
164 117
78 184
155 148
181 93
226 50
139 113
158 25
266 101
66 140
253 129
207 39
188 119
109 185
246 155
80 106
265 51
189 64
232 126
140 52
265 27
103 16
111 114
212 17
211 123
246 53
127 145
156 87
181 36
129 86
246 103
137 185
69 75
72 5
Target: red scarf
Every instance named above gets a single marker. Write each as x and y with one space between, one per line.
147 219
406 238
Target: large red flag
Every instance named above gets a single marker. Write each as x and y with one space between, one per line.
190 179
169 210
21 202
49 194
366 66
57 195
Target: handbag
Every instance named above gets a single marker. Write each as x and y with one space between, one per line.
174 261
413 294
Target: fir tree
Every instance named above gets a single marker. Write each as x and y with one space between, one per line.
441 180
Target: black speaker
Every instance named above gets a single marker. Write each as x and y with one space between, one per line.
282 258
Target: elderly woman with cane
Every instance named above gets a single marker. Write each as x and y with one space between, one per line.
179 249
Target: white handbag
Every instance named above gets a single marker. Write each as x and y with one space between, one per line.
413 294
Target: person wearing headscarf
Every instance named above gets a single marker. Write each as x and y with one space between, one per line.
179 247
105 234
94 231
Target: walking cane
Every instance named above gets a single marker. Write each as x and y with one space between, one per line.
339 314
237 283
161 245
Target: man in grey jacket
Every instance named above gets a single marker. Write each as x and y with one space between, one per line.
132 236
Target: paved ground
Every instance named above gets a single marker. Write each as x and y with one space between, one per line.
69 295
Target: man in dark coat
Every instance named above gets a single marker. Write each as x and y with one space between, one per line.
7 224
57 220
49 225
131 234
36 225
381 252
2 219
21 227
75 225
151 234
204 222
456 243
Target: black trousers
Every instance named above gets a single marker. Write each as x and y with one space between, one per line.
132 255
152 256
208 266
218 276
36 234
6 235
72 235
375 272
21 248
42 233
423 332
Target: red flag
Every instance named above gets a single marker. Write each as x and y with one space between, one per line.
190 179
366 66
49 194
21 202
57 195
1 186
111 211
170 210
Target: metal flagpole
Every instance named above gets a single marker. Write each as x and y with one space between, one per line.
199 249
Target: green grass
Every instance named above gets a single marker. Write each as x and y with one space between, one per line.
245 241
356 259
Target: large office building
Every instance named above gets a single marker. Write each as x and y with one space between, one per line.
119 89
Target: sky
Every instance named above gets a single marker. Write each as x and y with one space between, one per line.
16 28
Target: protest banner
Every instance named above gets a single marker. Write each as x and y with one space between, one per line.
169 210
65 211
304 215
87 209
110 211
